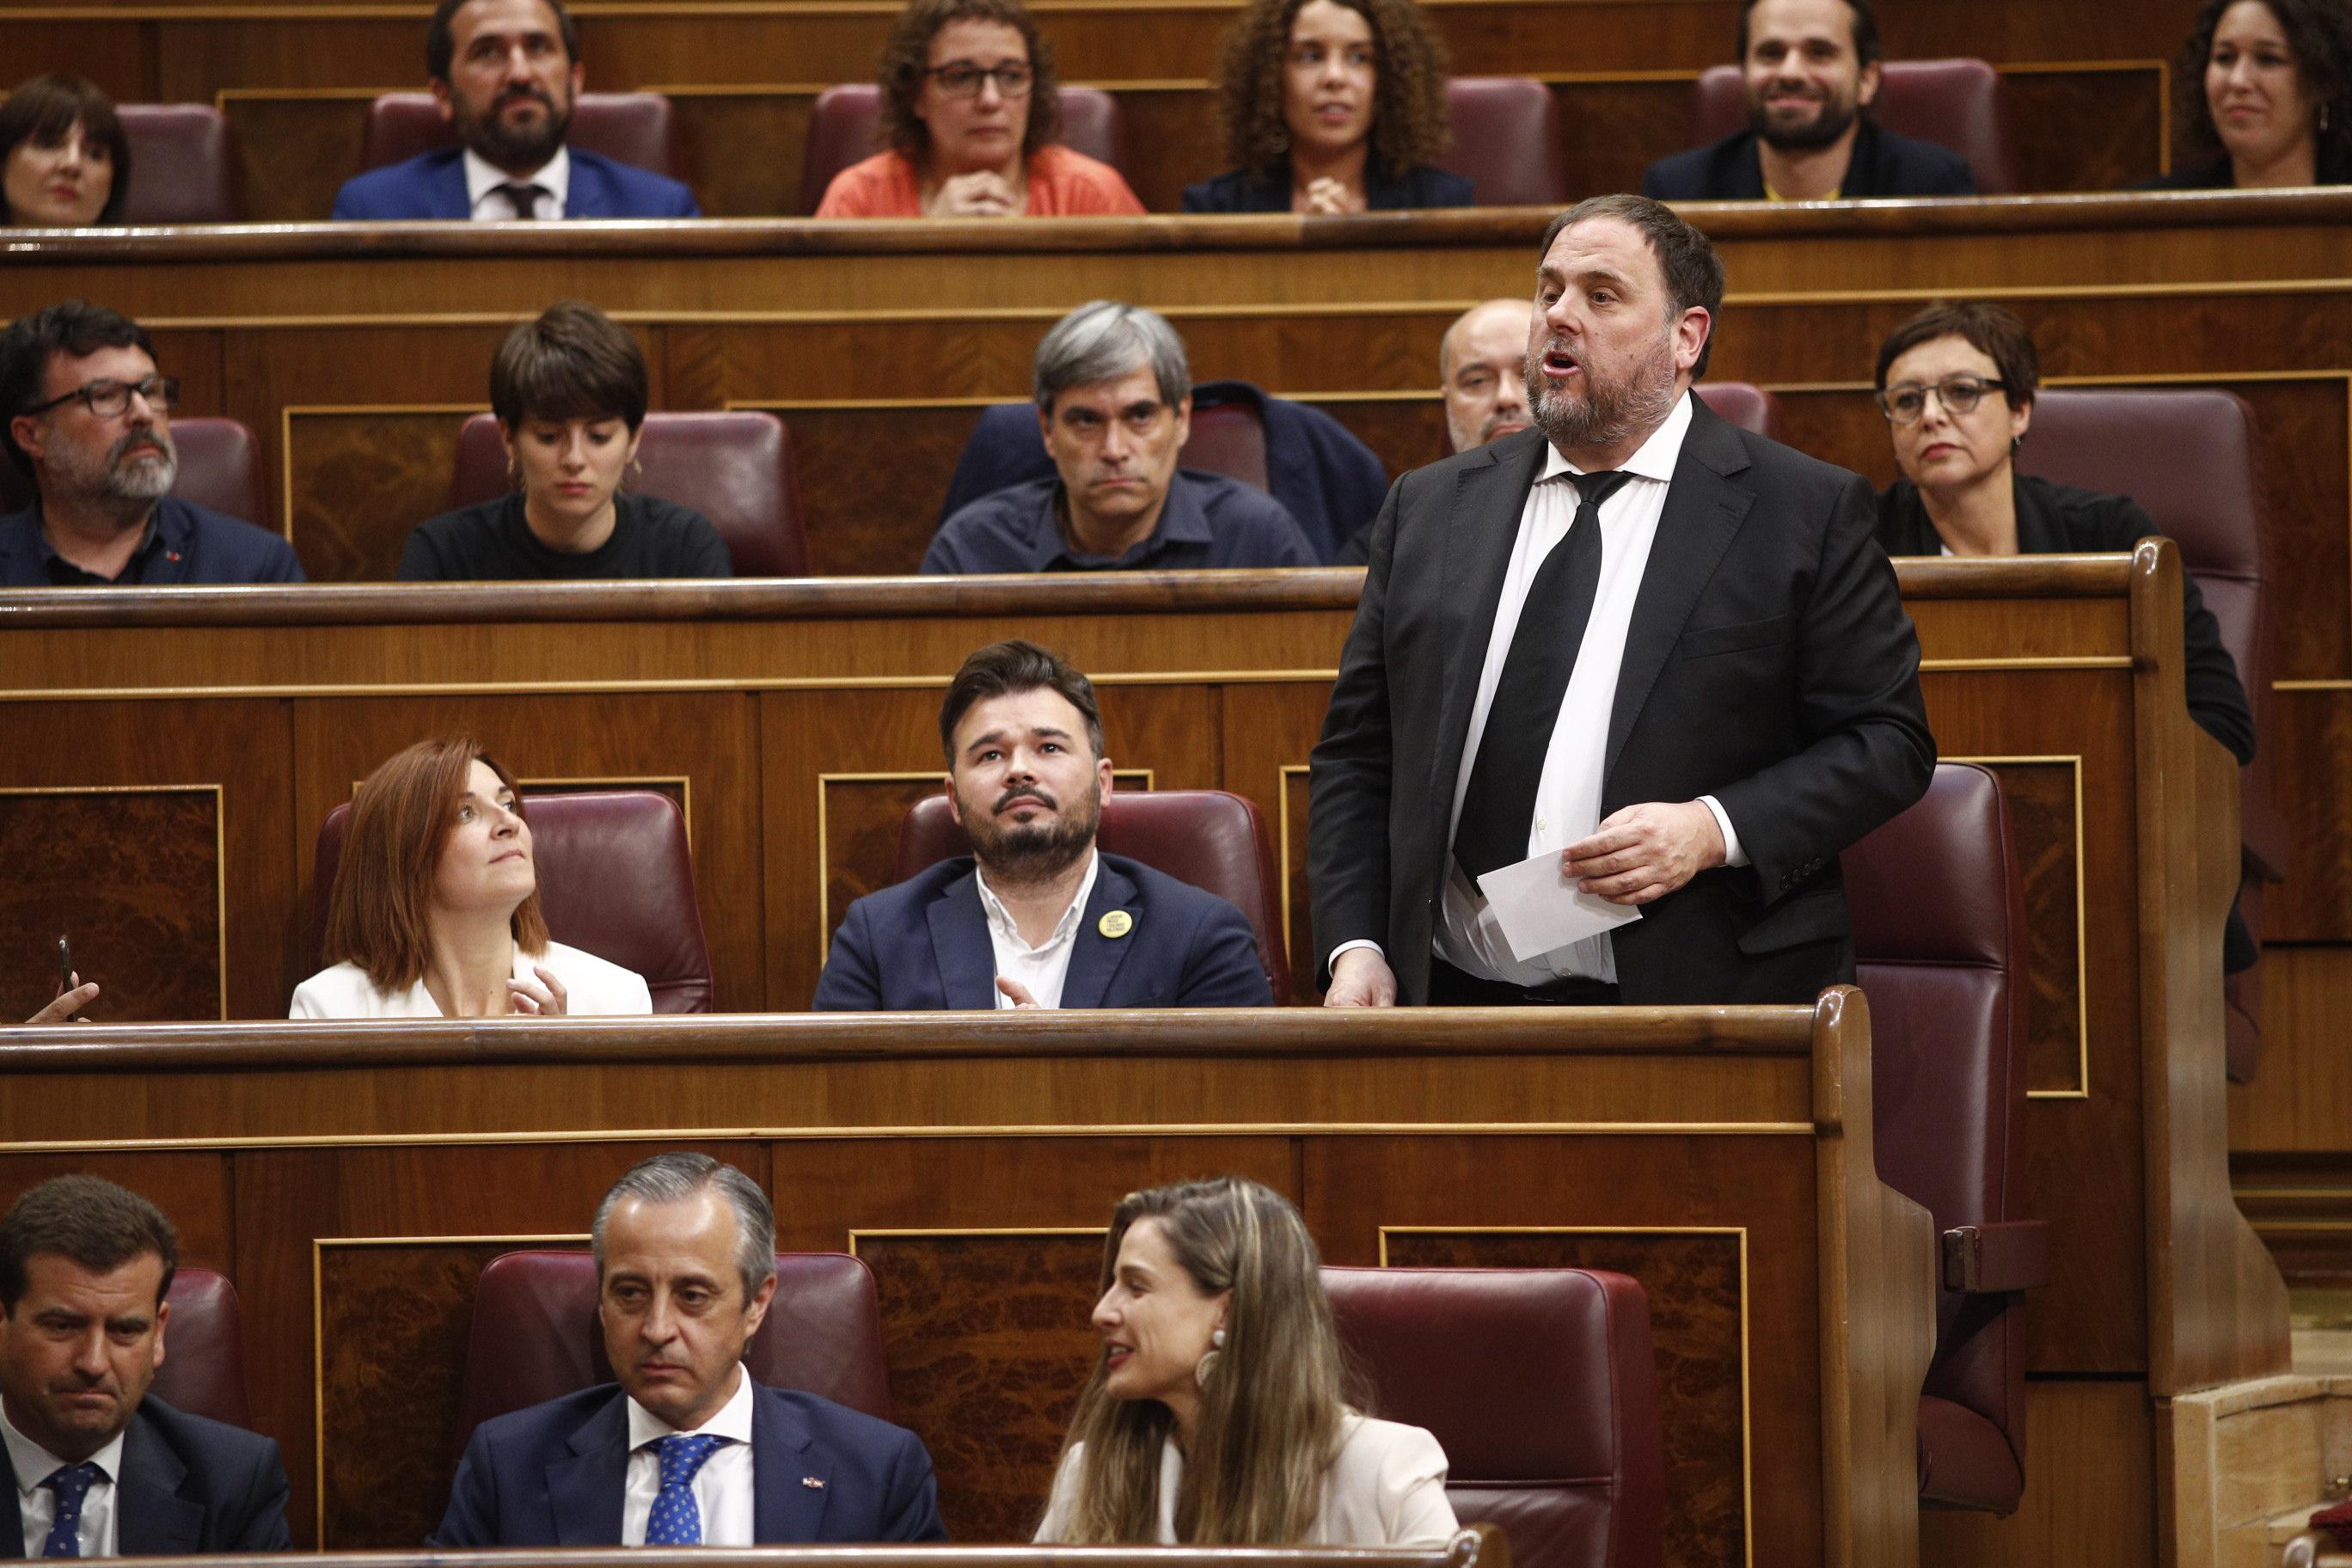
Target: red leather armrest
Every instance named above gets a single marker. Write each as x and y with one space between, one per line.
2013 1254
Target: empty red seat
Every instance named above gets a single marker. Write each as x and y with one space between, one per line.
1505 139
1211 839
735 469
220 471
1748 406
204 1372
637 128
845 127
183 165
1955 103
614 880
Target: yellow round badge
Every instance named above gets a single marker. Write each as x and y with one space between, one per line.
1115 924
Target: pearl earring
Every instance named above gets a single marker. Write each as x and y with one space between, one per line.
1217 1339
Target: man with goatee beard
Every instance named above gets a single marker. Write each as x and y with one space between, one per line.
1635 654
1036 916
506 73
1810 70
89 419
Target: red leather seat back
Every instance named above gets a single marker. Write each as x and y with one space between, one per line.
1542 1387
204 1372
1744 403
1227 438
637 128
220 469
845 127
614 880
183 165
1211 839
1938 911
535 1336
1505 139
1955 103
735 469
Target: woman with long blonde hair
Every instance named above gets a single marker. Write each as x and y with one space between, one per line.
1215 1415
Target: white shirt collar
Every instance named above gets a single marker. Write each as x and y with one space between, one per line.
554 177
1000 921
1654 459
733 1420
35 1464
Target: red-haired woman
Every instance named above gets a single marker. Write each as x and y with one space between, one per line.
435 912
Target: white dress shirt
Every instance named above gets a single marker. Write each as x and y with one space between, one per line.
1567 795
37 1505
483 179
722 1488
1043 969
591 985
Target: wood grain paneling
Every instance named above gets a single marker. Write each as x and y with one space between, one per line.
191 1189
2088 1466
2295 1107
360 484
2044 826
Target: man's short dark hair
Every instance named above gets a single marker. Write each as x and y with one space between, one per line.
1005 668
1865 30
441 37
87 1220
1992 331
72 328
1687 258
573 362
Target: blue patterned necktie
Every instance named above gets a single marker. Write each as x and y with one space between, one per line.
71 1484
675 1520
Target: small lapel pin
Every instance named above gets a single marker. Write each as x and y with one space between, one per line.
814 1483
1115 924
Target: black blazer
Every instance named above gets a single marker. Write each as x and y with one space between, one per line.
188 1484
1884 164
1245 191
1768 664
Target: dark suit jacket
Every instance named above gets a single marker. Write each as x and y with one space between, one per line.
923 945
432 186
188 1484
1769 663
190 545
553 1476
1244 191
1884 164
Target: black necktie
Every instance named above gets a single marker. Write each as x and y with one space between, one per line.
524 196
1500 803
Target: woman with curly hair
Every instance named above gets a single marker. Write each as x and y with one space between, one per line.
2265 96
970 111
1331 107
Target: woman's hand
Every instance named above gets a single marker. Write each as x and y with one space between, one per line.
1327 198
61 1010
982 194
1016 993
544 997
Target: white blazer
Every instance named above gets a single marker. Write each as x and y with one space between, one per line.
591 986
1386 1487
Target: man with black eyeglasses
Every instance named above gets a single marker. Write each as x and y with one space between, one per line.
91 421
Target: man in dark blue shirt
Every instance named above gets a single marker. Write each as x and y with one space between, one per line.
91 420
1115 405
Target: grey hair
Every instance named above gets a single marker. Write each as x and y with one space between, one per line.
679 1175
1102 339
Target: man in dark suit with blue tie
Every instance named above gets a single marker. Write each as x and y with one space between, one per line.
1034 917
97 1466
687 1451
507 73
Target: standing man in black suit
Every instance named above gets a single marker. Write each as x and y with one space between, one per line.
98 1467
1635 637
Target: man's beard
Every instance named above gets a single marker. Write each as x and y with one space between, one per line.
1032 851
1610 411
126 489
515 148
1835 118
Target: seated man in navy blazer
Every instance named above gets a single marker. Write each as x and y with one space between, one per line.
1034 917
507 73
97 1466
687 1451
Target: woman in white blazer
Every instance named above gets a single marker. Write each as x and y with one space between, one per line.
1215 1415
435 911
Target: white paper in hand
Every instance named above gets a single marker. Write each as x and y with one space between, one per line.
1540 909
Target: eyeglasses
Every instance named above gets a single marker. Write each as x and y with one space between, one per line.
961 78
109 399
1958 394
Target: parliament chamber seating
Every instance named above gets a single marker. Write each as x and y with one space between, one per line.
1227 438
845 127
1955 103
1749 406
535 1336
1504 136
2186 455
1542 1387
183 165
1938 915
638 128
204 1372
734 467
220 469
614 880
1211 838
